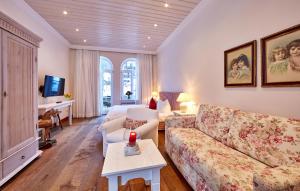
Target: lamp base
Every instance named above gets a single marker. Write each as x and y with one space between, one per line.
183 108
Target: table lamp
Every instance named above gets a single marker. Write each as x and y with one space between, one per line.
184 100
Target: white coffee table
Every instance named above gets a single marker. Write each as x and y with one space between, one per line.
147 165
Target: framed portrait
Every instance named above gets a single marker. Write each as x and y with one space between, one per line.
281 58
240 66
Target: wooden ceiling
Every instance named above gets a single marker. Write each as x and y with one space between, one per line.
116 24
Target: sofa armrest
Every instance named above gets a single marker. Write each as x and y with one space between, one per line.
112 125
282 178
185 121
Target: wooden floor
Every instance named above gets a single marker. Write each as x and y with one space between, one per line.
76 161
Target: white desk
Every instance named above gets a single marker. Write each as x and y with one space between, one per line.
147 165
46 107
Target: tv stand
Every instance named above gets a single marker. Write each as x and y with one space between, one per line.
63 104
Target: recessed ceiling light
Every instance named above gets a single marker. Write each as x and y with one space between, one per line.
155 25
149 37
166 5
65 12
84 40
77 29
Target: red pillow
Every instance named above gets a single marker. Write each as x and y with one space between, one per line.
152 104
133 124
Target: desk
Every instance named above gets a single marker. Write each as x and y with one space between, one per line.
46 107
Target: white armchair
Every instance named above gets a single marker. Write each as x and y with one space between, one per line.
113 131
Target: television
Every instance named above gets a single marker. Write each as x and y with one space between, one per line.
53 86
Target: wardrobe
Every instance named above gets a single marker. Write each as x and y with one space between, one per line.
18 100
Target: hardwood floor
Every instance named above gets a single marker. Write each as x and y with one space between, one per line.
76 161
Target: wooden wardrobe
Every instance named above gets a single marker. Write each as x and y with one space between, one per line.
18 100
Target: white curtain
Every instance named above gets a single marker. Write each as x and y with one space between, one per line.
86 79
145 77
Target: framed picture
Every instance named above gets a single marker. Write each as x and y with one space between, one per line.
281 58
240 66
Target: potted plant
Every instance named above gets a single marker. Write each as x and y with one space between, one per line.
128 93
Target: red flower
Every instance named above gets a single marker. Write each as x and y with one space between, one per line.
288 139
243 134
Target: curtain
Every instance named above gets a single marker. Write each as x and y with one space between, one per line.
145 77
85 73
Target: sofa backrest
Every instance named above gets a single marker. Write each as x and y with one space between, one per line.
215 121
272 140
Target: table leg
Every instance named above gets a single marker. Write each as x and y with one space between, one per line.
70 115
155 182
113 183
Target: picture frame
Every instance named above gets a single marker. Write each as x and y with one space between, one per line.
281 58
240 65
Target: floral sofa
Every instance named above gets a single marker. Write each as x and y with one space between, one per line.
227 149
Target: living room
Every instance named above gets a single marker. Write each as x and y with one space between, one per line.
150 95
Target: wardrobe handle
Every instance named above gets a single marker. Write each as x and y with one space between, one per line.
23 157
4 94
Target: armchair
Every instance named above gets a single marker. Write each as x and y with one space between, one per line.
113 131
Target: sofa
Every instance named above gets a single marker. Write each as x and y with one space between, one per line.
226 149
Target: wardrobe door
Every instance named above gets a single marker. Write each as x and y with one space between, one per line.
19 84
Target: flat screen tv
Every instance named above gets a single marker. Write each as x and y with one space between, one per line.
53 86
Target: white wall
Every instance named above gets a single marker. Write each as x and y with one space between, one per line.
53 54
192 59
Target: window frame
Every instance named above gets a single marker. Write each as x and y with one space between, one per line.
136 71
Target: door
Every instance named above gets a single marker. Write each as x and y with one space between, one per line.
19 86
106 83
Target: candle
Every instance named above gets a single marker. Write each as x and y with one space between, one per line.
132 138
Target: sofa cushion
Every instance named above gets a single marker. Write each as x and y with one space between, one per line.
222 167
215 121
272 140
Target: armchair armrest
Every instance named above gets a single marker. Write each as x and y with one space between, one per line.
151 125
112 125
187 121
282 178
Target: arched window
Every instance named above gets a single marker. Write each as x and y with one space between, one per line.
106 83
129 79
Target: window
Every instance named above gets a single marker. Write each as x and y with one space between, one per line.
129 79
106 72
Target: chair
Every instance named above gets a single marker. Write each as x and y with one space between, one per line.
113 131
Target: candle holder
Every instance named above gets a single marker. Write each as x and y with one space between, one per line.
132 148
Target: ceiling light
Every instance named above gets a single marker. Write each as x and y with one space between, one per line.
149 37
84 40
65 12
77 29
166 5
155 25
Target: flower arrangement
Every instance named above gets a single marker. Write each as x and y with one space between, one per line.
128 93
68 95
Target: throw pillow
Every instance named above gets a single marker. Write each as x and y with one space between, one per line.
133 124
152 104
163 106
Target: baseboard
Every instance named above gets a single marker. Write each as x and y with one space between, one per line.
13 173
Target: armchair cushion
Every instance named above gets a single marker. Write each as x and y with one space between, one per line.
281 178
133 123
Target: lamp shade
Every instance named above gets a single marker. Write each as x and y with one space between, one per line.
154 94
184 97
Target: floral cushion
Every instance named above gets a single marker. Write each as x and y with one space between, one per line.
215 121
219 166
133 124
279 178
272 140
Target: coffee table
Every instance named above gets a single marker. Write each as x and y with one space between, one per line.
119 168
